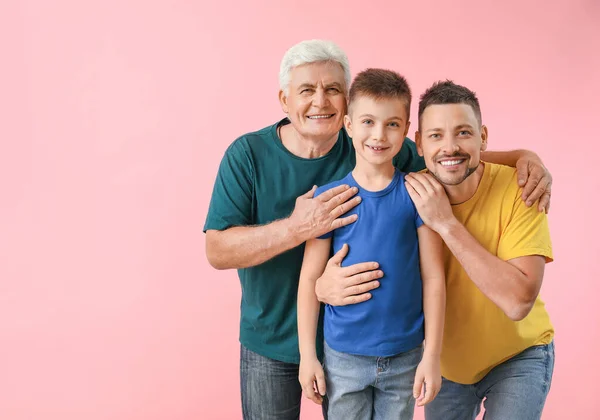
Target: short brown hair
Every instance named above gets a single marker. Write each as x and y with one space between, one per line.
448 92
380 84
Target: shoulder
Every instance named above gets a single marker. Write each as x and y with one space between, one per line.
322 188
503 179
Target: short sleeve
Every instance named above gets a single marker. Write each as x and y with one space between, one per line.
232 197
527 233
408 159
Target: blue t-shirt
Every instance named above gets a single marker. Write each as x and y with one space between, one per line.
391 322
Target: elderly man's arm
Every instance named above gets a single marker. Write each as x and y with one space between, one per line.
532 175
248 246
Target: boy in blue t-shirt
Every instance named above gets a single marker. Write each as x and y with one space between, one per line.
374 362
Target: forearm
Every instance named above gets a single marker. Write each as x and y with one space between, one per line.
248 246
308 319
434 307
508 158
503 283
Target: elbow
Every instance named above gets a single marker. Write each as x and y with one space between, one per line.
214 257
520 309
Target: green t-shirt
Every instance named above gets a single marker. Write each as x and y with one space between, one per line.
257 183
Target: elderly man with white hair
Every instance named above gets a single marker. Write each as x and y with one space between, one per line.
262 211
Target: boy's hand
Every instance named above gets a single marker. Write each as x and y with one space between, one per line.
312 379
428 376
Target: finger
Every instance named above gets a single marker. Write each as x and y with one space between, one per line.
342 197
429 394
359 268
309 391
545 202
427 181
417 386
332 192
365 277
532 182
536 193
414 195
339 256
417 185
321 385
311 192
343 221
522 172
360 288
345 207
353 300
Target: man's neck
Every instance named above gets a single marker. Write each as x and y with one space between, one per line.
458 194
305 147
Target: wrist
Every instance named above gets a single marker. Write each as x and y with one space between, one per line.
297 232
447 227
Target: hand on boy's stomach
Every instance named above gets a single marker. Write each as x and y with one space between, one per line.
340 286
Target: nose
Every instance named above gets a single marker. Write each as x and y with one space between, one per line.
450 145
378 132
320 98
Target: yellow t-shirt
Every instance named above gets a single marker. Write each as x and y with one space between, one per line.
477 335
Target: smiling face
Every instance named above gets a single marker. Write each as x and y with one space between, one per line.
316 100
377 128
451 140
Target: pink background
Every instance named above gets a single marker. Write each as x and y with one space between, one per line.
114 117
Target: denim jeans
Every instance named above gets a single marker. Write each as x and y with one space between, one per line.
369 387
513 390
270 388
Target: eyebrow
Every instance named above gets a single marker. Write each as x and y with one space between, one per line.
310 85
458 127
371 116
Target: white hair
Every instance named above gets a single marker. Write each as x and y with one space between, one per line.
312 51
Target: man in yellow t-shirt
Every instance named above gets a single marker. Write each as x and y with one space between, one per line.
498 339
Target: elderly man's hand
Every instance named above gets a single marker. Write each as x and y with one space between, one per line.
535 179
340 286
313 217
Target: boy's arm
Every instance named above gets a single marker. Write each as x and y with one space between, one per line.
316 254
434 289
434 307
533 176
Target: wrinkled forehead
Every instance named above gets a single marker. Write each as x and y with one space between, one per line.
448 116
321 73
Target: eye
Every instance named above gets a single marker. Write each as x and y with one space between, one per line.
307 90
333 90
367 121
464 133
394 124
434 136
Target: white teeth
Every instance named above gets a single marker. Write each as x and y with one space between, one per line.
375 148
450 162
317 117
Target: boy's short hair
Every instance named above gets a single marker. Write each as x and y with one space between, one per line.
448 92
380 84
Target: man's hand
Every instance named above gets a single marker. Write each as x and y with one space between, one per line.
313 217
340 286
536 181
428 375
312 379
430 200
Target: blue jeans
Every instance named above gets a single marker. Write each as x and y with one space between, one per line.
513 390
270 388
366 387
